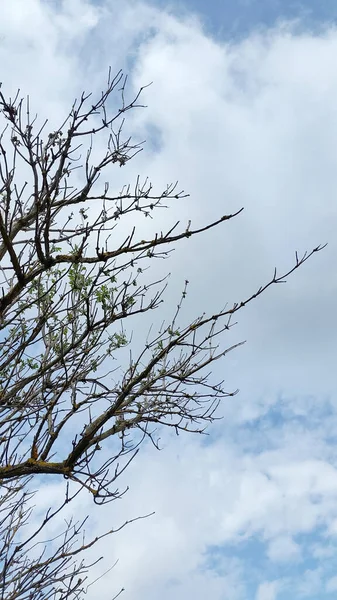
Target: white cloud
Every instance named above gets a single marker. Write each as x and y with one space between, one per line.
267 591
331 585
284 549
310 583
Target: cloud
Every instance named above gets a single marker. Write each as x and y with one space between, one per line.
331 585
267 591
284 549
251 124
310 583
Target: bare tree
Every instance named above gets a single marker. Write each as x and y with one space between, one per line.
67 289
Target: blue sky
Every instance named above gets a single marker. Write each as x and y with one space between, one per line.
228 18
242 115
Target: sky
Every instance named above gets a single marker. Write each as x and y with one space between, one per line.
242 111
